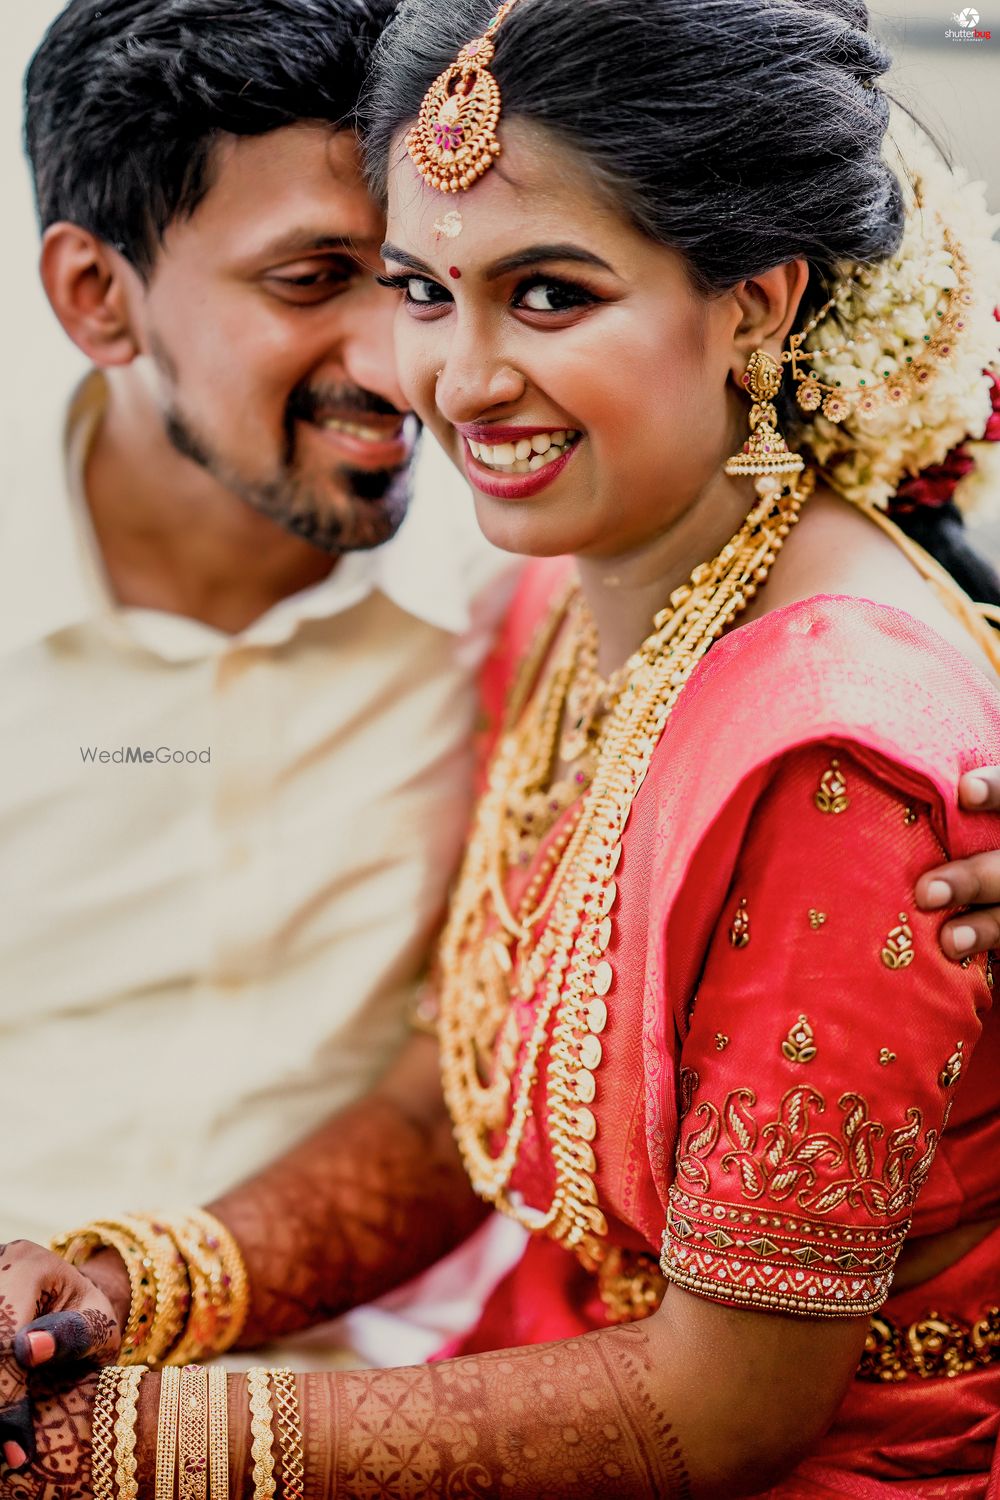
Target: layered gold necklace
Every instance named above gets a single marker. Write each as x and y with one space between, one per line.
552 948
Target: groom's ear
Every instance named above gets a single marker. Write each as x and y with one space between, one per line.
93 292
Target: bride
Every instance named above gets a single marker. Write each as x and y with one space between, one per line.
688 323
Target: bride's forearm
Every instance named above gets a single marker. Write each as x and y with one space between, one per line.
571 1420
700 1400
374 1197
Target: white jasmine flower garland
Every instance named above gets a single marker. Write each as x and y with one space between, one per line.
882 321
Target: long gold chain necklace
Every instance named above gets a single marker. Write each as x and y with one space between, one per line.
553 947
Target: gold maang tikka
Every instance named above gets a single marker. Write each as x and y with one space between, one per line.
454 141
765 454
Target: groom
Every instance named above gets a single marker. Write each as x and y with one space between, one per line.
238 706
203 960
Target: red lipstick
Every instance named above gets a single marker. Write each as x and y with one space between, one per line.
513 486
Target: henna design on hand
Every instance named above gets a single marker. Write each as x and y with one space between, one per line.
15 1411
86 1334
364 1204
61 1468
572 1420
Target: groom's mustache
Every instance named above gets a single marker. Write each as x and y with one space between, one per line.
314 403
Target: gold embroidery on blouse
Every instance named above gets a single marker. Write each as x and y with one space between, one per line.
739 932
816 918
910 816
721 1041
989 969
886 1057
799 1045
949 1074
831 796
865 1164
898 952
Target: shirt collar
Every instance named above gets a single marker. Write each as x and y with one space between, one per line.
52 576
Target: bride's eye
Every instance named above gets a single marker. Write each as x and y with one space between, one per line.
424 293
545 295
418 291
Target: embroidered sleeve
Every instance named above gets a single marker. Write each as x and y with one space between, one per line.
826 1041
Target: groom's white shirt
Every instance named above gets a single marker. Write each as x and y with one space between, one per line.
200 959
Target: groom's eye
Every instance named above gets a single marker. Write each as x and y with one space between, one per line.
309 282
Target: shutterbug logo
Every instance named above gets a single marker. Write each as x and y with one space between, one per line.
968 20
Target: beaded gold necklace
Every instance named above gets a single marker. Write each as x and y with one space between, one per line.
553 947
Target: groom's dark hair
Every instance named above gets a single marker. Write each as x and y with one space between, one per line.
126 100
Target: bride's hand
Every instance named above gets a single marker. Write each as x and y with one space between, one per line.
60 1468
52 1318
971 882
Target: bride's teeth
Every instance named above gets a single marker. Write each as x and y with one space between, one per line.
527 455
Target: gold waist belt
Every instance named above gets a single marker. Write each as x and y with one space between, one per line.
632 1286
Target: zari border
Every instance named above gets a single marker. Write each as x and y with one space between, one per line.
781 1262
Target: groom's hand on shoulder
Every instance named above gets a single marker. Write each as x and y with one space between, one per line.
972 882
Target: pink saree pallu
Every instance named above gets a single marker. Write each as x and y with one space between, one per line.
792 1080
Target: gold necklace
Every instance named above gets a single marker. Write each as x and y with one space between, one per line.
553 947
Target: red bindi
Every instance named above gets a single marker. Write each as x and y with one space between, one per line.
455 272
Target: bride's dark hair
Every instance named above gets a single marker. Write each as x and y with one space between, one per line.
740 133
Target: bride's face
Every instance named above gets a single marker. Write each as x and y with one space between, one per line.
561 357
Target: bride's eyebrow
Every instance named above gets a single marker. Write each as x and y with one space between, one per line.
403 258
532 256
535 254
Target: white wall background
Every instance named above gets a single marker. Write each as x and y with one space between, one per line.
953 86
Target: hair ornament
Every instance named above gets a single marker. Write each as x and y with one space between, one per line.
454 141
897 368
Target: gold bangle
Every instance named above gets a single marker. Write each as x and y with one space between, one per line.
232 1276
219 1288
263 1436
102 1434
218 1433
82 1244
166 1434
192 1446
173 1292
286 1403
125 1461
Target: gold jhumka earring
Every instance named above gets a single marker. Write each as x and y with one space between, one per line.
454 141
765 453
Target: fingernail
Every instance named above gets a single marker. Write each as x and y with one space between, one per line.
15 1455
975 790
963 938
937 893
42 1346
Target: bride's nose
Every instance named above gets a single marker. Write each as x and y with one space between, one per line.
472 382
